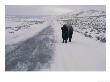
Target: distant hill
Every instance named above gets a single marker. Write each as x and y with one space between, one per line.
82 13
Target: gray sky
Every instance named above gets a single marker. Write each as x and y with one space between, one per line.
47 9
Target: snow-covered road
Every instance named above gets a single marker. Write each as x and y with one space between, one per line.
82 54
39 52
32 54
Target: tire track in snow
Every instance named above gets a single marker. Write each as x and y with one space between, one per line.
32 54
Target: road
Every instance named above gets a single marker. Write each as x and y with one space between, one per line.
46 52
32 54
82 54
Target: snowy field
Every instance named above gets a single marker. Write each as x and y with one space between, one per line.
91 23
18 29
35 43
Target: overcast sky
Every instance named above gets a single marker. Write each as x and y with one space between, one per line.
47 10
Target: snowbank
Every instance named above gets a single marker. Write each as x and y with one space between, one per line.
91 23
23 34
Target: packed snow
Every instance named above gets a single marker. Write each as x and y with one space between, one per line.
82 54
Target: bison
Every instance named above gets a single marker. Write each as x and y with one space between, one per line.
67 32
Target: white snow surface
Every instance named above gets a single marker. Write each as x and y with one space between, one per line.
23 34
82 54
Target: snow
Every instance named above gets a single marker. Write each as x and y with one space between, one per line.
21 18
12 23
90 13
37 38
82 54
89 23
23 34
82 13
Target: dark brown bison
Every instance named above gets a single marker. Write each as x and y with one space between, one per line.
64 33
70 32
67 32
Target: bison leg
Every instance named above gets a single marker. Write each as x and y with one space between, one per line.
69 39
65 41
